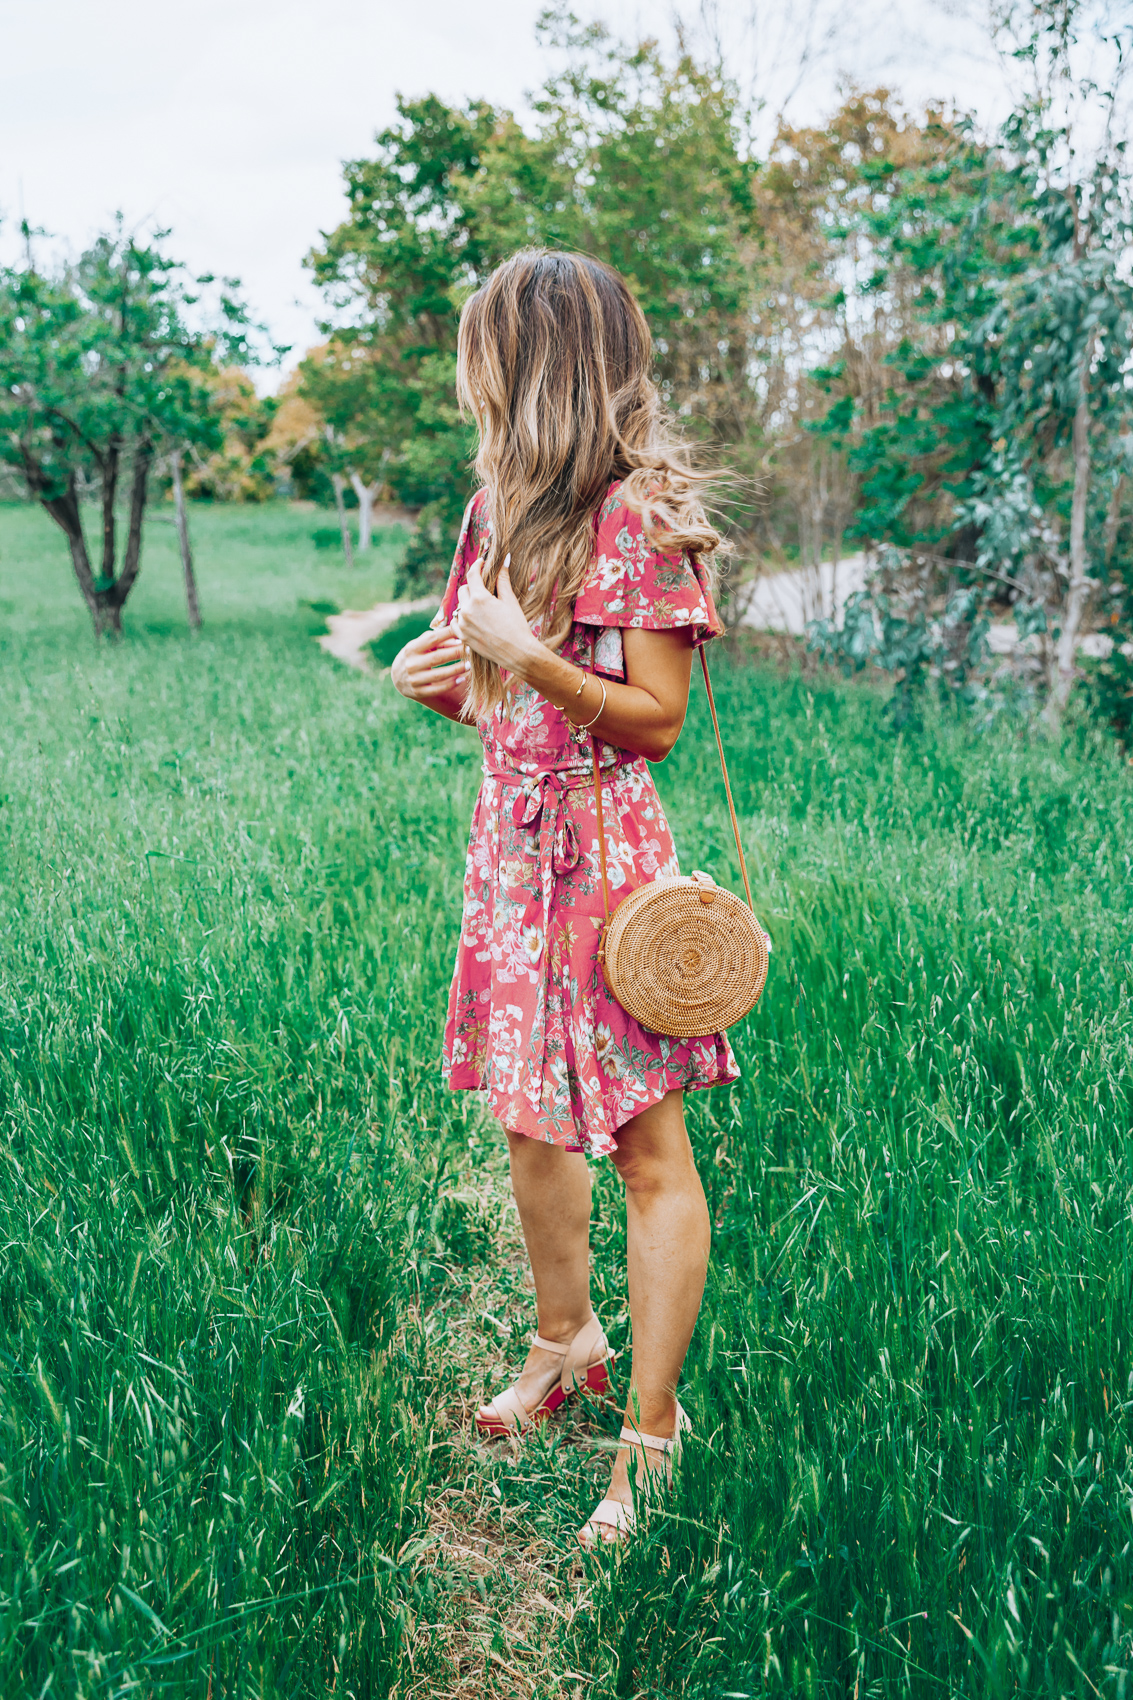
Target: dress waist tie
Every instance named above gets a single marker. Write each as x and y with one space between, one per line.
541 807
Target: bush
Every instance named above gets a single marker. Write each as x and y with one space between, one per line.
387 644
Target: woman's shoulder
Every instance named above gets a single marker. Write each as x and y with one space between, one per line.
634 583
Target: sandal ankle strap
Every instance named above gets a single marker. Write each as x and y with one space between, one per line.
555 1346
633 1436
587 1348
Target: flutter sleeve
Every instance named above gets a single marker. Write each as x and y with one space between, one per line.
634 585
473 534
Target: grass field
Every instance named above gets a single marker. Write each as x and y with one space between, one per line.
258 1264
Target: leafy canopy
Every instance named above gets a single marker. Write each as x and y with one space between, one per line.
101 370
630 158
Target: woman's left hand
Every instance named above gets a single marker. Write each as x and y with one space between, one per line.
493 626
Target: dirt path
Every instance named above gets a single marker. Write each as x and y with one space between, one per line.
349 632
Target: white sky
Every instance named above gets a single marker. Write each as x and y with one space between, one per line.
228 120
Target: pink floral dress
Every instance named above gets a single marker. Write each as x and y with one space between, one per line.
530 1020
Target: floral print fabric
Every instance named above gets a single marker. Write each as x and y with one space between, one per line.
530 1020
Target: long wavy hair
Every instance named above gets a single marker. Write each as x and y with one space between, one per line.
554 361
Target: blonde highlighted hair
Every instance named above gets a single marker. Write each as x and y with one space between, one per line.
554 361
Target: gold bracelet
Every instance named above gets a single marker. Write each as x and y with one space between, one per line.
562 706
579 727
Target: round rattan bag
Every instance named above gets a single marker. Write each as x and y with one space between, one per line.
685 957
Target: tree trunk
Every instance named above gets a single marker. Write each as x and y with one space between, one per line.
1113 514
1080 588
836 538
339 482
66 513
131 564
108 618
191 601
367 495
109 497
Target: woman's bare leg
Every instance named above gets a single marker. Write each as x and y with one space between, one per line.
552 1194
669 1237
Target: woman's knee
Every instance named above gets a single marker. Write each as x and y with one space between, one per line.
642 1173
654 1154
648 1170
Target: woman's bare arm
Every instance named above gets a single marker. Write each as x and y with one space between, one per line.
644 715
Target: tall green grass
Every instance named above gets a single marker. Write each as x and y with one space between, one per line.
257 1264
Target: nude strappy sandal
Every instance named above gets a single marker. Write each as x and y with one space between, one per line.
611 1519
586 1361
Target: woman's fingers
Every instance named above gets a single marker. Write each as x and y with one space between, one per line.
425 679
476 606
452 664
431 639
431 665
452 646
441 690
442 675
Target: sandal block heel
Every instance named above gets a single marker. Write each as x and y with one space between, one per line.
585 1369
598 1380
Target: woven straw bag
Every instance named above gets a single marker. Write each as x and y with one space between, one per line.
685 957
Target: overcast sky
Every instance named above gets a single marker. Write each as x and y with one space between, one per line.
227 120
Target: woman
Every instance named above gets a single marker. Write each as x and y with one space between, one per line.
576 597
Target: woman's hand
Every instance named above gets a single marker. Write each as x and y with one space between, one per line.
431 666
494 626
644 715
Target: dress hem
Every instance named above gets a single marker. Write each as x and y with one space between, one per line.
593 1149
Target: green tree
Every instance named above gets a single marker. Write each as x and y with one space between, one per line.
241 469
339 381
631 158
393 273
100 374
999 457
824 340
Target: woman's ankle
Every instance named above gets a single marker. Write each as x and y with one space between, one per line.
562 1330
656 1415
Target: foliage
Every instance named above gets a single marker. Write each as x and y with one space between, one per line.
1003 442
892 625
1110 688
239 1204
293 443
828 335
750 276
389 643
630 158
241 467
99 372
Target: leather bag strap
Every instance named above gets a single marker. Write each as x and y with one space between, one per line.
727 791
